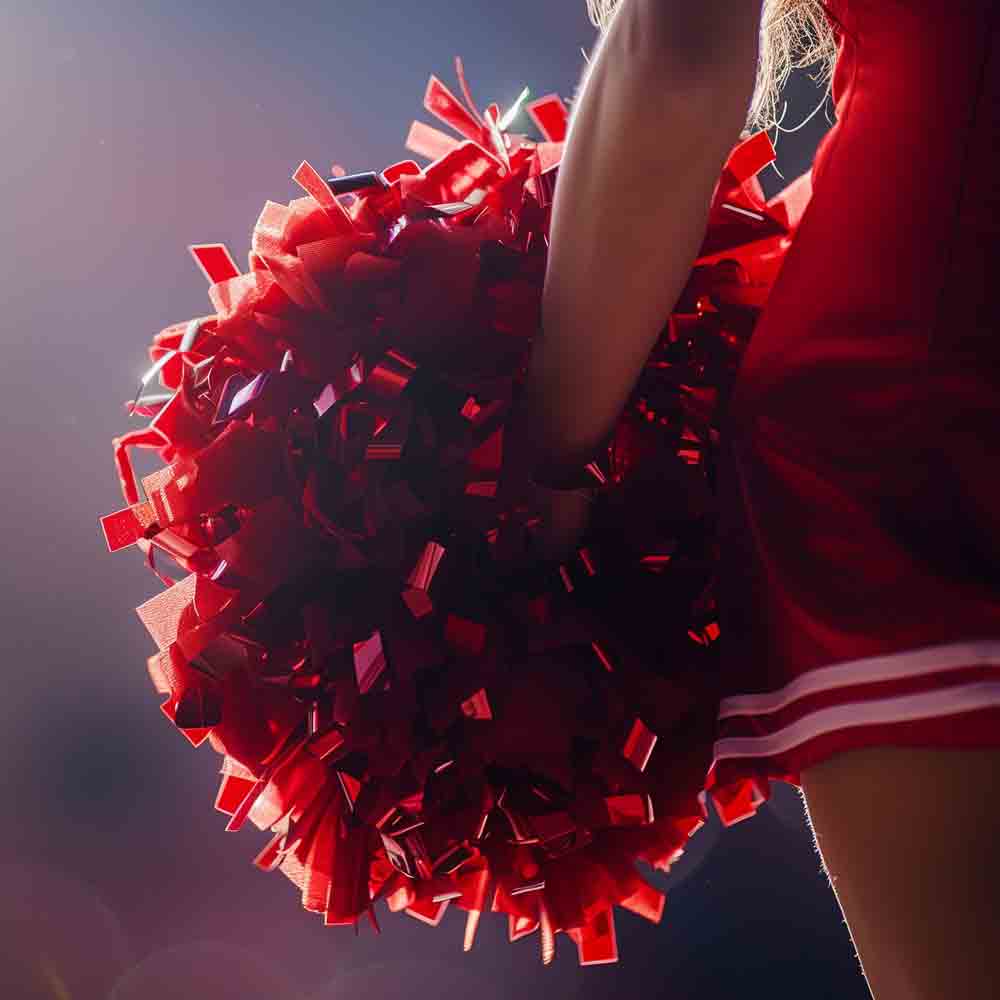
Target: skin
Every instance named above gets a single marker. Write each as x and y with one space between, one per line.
613 205
652 126
907 835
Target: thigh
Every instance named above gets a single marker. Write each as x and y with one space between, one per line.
909 838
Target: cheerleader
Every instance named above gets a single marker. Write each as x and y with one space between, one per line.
860 482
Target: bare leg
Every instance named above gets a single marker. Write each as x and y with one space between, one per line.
910 839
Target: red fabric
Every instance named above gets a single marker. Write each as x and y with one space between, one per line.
860 481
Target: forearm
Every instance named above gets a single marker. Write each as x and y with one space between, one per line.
653 124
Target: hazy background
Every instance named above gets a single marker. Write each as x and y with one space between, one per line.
126 134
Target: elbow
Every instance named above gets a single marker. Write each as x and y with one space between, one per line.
701 55
658 37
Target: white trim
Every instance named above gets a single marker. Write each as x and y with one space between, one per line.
743 211
905 708
894 666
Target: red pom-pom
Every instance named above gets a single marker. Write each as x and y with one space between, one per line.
422 698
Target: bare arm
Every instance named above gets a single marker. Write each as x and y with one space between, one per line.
662 104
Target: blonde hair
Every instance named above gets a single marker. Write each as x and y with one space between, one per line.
794 34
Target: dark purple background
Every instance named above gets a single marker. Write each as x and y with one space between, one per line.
125 136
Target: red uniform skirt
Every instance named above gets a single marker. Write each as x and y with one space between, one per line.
860 479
